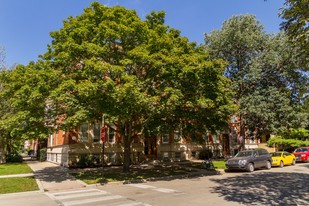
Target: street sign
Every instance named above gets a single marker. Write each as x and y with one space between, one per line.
103 134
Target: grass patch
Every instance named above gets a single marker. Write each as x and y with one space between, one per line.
93 177
14 168
219 164
17 184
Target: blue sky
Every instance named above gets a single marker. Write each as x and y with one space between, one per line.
26 24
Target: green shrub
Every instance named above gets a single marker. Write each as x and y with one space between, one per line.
205 154
87 160
43 154
14 157
286 143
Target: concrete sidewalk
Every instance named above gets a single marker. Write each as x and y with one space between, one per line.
52 177
17 175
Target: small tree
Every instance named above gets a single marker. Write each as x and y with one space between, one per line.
24 91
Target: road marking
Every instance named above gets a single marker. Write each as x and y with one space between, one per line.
142 186
86 201
73 192
88 196
133 204
163 190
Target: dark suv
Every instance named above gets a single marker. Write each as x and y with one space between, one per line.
249 160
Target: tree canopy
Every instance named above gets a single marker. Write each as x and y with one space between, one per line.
296 25
141 74
22 101
266 77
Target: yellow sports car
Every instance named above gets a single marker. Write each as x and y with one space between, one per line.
282 158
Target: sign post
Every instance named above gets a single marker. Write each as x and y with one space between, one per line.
103 137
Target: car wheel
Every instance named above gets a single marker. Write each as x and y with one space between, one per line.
268 165
293 162
281 164
250 167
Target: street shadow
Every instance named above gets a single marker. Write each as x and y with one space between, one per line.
266 188
189 175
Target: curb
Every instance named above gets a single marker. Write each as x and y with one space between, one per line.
172 177
39 183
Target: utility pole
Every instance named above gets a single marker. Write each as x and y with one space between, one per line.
103 137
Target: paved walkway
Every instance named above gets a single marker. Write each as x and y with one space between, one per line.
51 177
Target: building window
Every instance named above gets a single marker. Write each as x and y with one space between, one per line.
165 138
56 137
177 155
96 132
193 154
83 133
177 136
216 138
112 158
165 156
51 140
111 135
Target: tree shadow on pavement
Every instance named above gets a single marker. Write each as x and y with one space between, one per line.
266 188
53 174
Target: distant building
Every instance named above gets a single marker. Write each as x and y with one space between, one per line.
81 145
73 148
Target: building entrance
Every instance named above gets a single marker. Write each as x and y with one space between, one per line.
150 148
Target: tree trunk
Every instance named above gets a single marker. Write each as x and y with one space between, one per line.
2 149
242 134
38 150
126 132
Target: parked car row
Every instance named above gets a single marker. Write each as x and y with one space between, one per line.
249 160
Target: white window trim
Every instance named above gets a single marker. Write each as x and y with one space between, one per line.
80 139
165 140
114 136
93 133
51 140
177 136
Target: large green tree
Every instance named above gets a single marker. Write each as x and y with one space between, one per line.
241 39
265 74
138 73
276 89
296 24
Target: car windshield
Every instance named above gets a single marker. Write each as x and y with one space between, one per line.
301 150
275 154
244 154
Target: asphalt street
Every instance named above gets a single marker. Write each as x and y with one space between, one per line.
278 186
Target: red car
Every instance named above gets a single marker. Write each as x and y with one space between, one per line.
302 154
